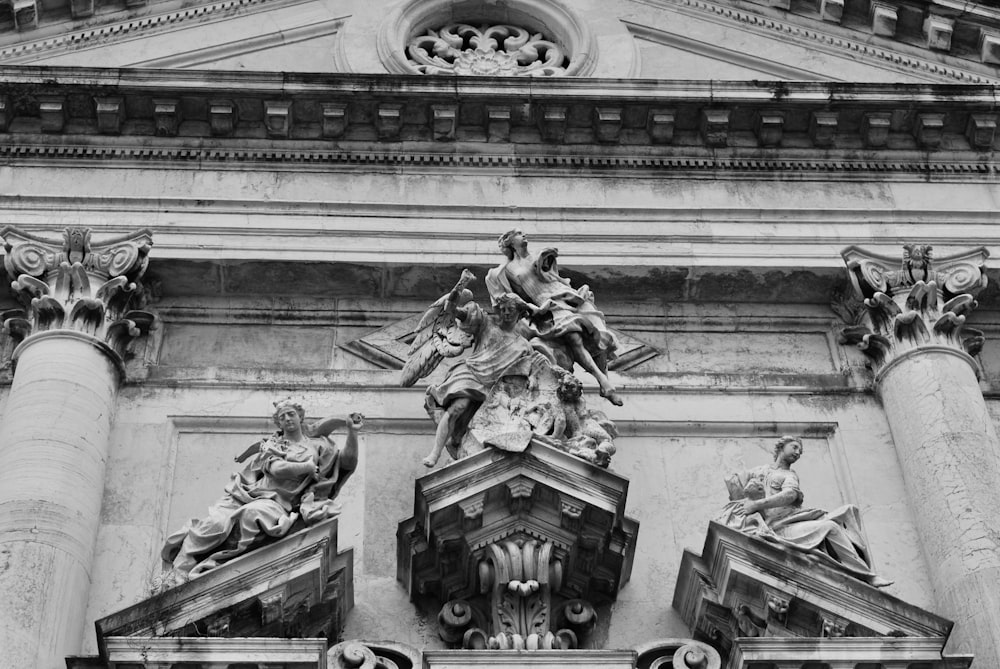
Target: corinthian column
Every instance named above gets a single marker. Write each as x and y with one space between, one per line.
80 317
947 445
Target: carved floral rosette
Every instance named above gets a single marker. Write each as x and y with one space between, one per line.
77 285
487 50
915 302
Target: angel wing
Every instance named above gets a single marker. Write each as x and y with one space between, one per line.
439 314
437 334
441 344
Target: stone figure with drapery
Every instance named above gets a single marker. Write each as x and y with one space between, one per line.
562 316
456 325
766 502
290 476
506 388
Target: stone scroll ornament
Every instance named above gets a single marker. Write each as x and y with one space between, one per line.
914 303
506 388
291 479
517 579
79 285
486 50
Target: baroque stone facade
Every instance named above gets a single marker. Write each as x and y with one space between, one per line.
780 213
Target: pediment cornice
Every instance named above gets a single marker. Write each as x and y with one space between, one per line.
935 39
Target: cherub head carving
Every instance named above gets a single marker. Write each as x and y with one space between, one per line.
917 255
570 388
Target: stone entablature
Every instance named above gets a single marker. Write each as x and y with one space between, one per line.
646 119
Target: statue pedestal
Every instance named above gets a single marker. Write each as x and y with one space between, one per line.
757 602
517 548
264 604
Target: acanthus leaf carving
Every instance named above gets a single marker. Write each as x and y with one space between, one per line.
522 579
79 285
920 302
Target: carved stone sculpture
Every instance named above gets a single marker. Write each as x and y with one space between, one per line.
494 50
78 285
914 303
563 317
767 502
507 390
453 325
295 473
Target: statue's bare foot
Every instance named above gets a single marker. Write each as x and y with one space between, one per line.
611 395
879 582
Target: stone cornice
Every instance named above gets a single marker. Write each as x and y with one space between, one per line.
692 162
72 24
962 42
598 123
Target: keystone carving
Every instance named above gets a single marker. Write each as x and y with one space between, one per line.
914 303
75 284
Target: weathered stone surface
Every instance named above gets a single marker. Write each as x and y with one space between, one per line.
743 588
948 451
54 441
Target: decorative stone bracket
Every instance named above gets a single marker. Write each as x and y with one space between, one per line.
76 285
518 549
916 303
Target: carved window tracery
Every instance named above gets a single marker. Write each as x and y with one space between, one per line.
535 38
486 50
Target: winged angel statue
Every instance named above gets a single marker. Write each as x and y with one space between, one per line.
505 389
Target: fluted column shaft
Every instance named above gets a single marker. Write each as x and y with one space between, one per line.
913 328
53 450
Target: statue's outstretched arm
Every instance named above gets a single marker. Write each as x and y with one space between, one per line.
349 453
324 426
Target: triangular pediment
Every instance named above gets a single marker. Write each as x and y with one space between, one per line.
690 40
388 347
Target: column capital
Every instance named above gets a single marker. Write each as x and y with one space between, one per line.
914 302
76 284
